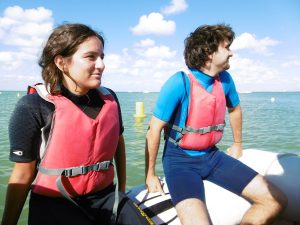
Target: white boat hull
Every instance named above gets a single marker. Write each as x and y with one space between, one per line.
226 208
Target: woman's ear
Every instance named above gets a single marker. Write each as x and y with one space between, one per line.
60 63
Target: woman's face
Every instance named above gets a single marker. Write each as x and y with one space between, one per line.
85 67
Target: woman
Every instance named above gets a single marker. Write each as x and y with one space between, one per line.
64 138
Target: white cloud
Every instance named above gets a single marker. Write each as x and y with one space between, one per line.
154 23
145 43
291 63
163 52
253 75
11 60
24 31
249 41
25 27
176 6
147 48
113 61
251 71
18 70
146 67
140 63
35 15
5 57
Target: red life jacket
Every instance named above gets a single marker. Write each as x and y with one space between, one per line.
206 117
80 150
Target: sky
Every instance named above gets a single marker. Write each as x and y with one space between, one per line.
144 39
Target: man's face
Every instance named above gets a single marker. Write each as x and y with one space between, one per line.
220 58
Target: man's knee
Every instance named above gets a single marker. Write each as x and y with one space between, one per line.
261 191
193 211
279 197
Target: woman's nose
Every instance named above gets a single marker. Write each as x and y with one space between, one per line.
99 63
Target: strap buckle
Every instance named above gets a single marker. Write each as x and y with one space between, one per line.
76 171
102 165
67 172
218 127
184 131
81 170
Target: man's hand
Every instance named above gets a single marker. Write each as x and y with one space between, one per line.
153 184
236 150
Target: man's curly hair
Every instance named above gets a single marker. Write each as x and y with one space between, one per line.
203 42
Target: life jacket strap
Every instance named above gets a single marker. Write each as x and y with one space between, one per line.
203 130
63 191
175 142
78 170
74 171
187 129
114 215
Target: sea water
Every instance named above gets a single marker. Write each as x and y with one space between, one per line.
271 122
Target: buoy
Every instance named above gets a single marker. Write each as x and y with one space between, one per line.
272 99
139 110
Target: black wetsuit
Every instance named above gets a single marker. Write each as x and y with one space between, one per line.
31 114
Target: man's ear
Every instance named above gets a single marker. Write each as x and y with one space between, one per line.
60 63
210 56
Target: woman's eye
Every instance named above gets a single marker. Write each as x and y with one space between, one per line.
91 57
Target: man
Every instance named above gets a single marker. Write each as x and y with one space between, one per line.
191 109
